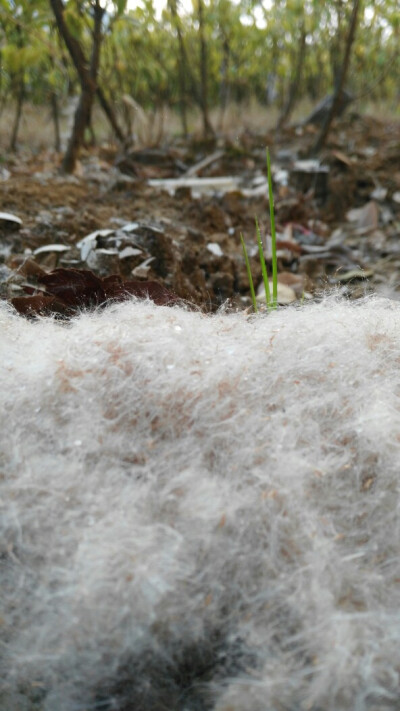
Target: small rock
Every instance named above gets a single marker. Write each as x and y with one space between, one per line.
286 295
215 249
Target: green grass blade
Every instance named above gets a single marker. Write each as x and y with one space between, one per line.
263 267
249 275
273 236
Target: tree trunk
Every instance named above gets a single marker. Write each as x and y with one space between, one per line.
337 96
187 81
20 81
224 88
81 120
294 86
109 112
182 63
83 113
56 120
207 128
18 114
88 80
338 44
126 114
72 44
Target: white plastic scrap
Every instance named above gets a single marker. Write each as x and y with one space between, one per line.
129 252
51 248
215 249
88 243
8 217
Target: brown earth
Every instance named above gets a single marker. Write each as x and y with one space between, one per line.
337 225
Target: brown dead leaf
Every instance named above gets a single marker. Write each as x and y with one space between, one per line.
342 158
66 291
75 287
26 266
365 218
38 304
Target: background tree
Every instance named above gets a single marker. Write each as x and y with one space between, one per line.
182 63
297 57
339 78
22 52
87 73
190 60
207 128
87 70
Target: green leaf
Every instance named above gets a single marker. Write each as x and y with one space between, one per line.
121 6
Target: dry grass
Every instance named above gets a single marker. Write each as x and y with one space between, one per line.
151 128
36 128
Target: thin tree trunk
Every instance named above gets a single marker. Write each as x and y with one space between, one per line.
83 113
294 86
182 63
337 96
20 96
81 120
126 114
182 96
182 101
55 112
109 112
88 80
224 88
338 44
186 78
4 100
207 128
18 114
72 44
55 109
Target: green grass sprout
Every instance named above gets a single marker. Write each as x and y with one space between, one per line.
246 259
263 267
272 303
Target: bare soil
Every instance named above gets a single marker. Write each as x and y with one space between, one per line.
190 242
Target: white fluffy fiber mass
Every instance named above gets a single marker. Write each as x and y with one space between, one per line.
201 512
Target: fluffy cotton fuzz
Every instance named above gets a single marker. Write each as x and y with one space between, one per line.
201 512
